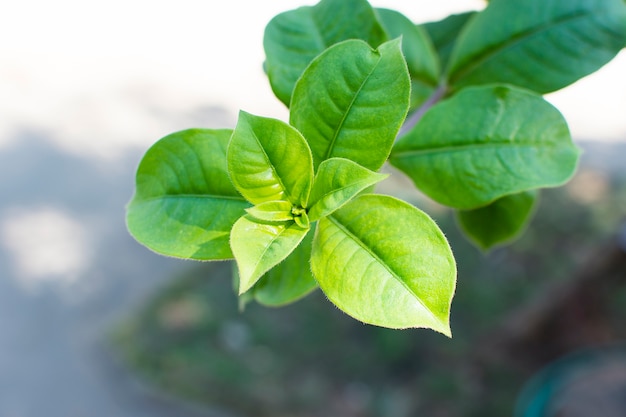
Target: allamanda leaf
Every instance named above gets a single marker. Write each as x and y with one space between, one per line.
268 160
538 44
500 221
351 102
293 38
484 143
259 246
384 262
290 280
337 181
184 203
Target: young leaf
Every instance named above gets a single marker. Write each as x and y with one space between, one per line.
290 280
500 221
417 47
260 246
272 211
444 33
484 143
268 160
384 262
184 203
351 102
292 39
537 44
337 181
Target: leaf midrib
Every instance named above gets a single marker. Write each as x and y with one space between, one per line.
396 276
489 53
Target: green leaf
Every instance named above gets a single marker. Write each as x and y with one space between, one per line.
292 39
290 280
338 181
184 203
268 160
384 262
417 47
499 222
537 44
444 33
484 143
260 246
272 211
351 102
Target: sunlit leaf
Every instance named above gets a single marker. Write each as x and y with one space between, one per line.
351 102
384 262
184 203
268 160
272 211
484 143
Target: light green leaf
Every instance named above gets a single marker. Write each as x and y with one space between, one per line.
288 281
351 102
384 262
538 44
184 203
272 211
444 33
268 160
338 181
260 246
484 143
417 47
499 222
292 39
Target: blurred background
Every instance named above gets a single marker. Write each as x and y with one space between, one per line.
93 324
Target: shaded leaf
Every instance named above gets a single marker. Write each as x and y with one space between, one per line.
268 160
537 44
444 33
293 38
384 262
351 102
260 246
337 181
184 203
484 143
500 221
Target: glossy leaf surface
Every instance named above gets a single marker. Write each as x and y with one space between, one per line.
384 262
260 246
500 221
184 204
484 143
293 38
268 160
290 280
337 181
351 102
542 45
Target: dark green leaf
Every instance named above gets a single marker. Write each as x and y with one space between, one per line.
268 160
445 32
538 44
500 221
484 143
292 39
384 262
184 204
351 102
337 181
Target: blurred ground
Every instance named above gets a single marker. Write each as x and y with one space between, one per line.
70 275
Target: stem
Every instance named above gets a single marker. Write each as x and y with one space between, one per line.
414 118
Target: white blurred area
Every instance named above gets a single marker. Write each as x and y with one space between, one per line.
99 78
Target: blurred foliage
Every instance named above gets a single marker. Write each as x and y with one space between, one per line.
307 360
